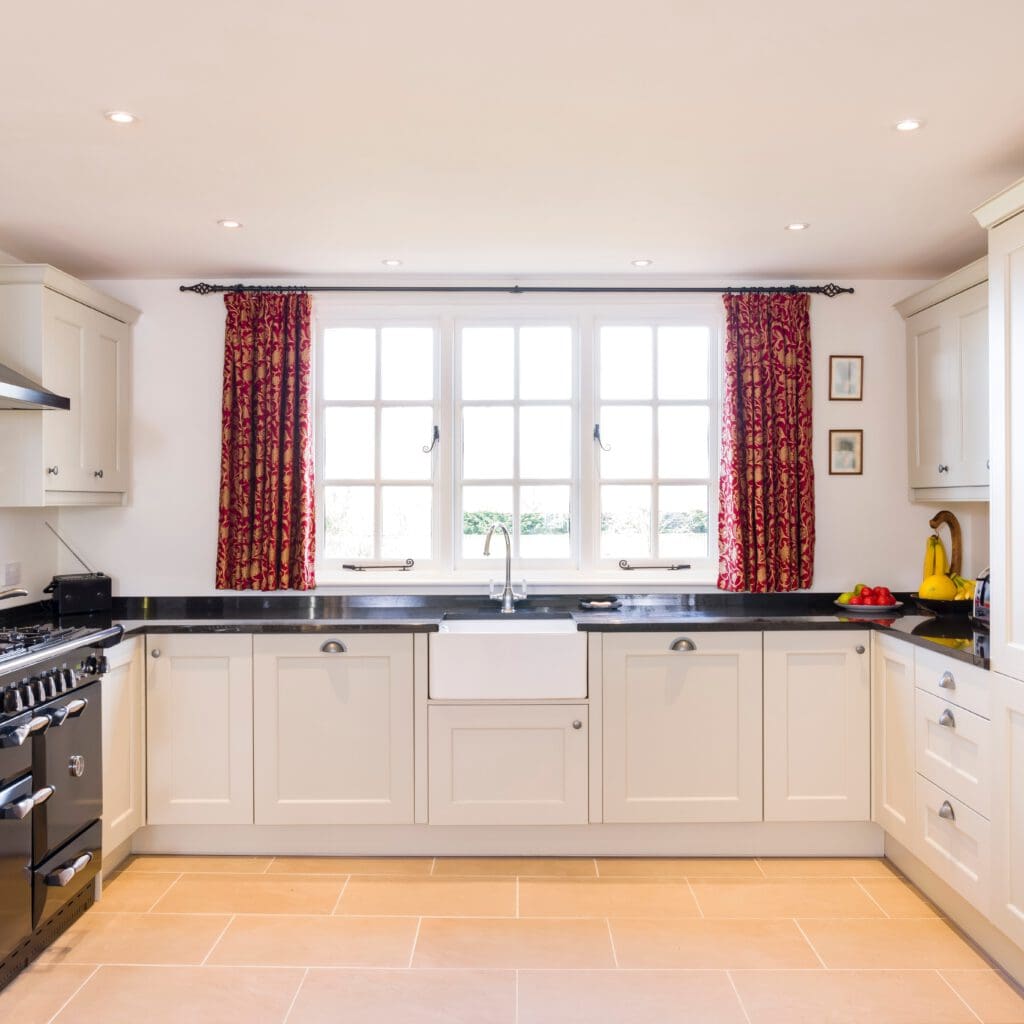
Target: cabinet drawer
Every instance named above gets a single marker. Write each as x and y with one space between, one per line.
954 750
965 685
955 842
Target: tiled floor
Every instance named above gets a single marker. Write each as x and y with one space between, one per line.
308 940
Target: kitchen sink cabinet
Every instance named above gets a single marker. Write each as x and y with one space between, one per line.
199 749
333 728
1007 806
892 701
682 727
817 726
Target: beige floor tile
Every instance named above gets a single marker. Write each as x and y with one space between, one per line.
527 866
134 893
251 894
137 939
989 995
783 897
351 866
40 991
897 898
206 865
675 867
849 997
605 897
834 867
706 944
406 997
928 944
173 995
556 943
317 941
430 897
639 997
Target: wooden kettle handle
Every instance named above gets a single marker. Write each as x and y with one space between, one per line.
956 550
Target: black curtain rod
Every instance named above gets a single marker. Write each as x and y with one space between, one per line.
202 288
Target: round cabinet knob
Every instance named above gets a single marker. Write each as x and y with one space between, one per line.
52 470
577 724
859 648
98 473
155 652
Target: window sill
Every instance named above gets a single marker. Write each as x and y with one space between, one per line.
472 582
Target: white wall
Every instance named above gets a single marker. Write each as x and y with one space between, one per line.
164 542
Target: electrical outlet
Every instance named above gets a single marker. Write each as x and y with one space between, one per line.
12 574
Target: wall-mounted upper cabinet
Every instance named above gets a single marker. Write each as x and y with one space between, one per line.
947 387
75 342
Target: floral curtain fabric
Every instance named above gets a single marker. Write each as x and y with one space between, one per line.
267 527
766 480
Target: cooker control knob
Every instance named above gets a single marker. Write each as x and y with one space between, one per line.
38 688
90 665
28 693
50 685
12 700
68 679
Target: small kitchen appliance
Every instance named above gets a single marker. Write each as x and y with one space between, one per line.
78 593
982 594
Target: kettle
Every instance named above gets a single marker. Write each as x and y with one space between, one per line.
982 593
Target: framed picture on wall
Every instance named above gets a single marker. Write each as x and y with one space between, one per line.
845 452
846 378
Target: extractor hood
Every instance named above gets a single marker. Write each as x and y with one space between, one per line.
18 392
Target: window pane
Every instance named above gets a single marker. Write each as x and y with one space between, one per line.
683 362
627 431
350 363
405 522
404 433
349 442
625 521
683 441
683 522
482 506
487 362
545 362
544 522
626 354
406 363
487 442
545 442
349 526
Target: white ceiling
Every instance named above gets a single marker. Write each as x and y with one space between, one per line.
527 136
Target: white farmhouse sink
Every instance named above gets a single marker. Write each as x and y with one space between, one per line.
508 659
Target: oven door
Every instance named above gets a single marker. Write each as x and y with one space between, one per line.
66 873
18 801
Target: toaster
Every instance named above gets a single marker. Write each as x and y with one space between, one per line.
982 593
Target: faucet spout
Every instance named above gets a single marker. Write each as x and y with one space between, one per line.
508 596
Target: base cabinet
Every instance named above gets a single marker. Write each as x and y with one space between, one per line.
892 700
1007 906
817 726
515 764
682 727
333 725
199 752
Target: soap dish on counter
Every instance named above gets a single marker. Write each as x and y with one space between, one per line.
600 604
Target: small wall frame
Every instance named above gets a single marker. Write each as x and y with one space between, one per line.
845 452
846 378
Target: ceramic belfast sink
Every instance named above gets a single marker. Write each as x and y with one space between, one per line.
508 659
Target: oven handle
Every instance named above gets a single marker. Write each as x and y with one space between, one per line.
70 710
18 809
16 737
63 876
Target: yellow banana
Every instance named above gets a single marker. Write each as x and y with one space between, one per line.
929 558
941 562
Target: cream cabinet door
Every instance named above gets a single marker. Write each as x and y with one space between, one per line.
66 325
682 727
124 742
508 764
892 688
199 729
817 726
1007 908
333 724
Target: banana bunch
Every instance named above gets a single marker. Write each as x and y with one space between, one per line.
936 564
964 588
935 561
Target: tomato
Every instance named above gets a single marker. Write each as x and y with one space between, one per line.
857 599
881 599
867 593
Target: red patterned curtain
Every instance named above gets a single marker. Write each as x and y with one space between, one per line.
267 534
766 482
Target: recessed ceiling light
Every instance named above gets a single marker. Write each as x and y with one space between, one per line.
909 124
120 117
644 262
230 223
797 226
392 263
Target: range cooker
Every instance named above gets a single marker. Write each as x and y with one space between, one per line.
51 782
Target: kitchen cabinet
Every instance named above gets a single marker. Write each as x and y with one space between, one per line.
682 727
1007 803
75 341
817 726
199 751
124 742
892 703
333 729
947 387
508 764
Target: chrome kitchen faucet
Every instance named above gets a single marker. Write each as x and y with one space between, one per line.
508 596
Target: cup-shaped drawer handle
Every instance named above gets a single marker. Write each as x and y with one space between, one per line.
682 644
947 682
333 647
947 719
946 811
63 875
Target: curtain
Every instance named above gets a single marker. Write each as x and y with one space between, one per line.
766 479
267 527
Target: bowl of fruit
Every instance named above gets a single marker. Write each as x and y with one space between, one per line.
868 599
946 594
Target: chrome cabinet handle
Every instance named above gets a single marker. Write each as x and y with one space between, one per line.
859 648
63 876
98 473
682 644
76 707
52 470
943 468
16 737
155 653
18 809
946 811
947 719
577 724
947 682
333 647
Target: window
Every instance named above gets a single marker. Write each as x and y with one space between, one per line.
514 399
